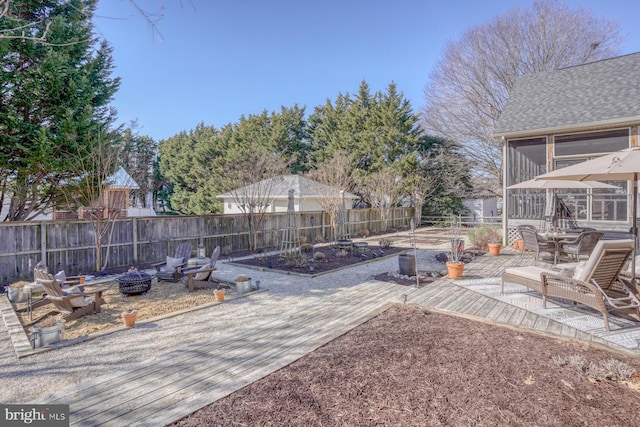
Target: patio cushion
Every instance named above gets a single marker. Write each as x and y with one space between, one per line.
172 263
75 302
530 272
60 277
203 276
585 274
579 269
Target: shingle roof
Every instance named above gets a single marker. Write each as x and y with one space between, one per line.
601 92
302 188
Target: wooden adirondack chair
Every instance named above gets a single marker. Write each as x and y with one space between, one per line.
171 269
71 305
201 277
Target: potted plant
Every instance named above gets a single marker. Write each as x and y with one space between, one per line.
243 284
129 317
47 331
495 242
455 265
219 294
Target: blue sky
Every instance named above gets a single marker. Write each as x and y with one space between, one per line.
219 59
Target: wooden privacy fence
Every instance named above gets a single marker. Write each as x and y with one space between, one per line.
69 245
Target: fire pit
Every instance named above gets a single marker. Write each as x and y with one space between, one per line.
134 283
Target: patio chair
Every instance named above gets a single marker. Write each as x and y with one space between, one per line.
200 277
71 301
40 272
581 245
534 242
594 282
171 269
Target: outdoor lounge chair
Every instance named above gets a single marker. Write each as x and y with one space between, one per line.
171 269
594 283
532 241
201 277
71 301
581 245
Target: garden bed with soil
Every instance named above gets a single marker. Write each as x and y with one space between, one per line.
411 367
331 259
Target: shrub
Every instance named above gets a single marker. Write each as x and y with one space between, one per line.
242 278
480 237
385 243
306 247
318 256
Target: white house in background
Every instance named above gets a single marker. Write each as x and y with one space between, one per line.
307 194
118 193
483 209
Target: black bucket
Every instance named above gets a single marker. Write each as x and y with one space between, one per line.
407 264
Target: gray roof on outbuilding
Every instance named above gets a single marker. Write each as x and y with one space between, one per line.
599 93
302 188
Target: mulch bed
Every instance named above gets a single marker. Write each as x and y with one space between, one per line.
424 278
411 367
332 261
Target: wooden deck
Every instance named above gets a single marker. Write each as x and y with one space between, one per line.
184 380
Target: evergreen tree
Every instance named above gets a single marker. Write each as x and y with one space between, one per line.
54 97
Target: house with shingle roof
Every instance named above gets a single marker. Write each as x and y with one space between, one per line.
557 118
307 194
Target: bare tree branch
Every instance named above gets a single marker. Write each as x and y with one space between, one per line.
470 85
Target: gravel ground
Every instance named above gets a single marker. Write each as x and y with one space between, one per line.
38 375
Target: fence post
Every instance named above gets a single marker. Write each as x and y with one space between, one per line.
134 232
43 242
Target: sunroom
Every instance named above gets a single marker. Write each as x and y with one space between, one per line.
559 118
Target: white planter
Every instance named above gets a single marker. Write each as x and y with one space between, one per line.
48 335
243 287
16 295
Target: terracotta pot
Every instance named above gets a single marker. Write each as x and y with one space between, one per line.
494 248
455 270
219 294
129 318
518 245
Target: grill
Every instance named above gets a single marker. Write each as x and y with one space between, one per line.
134 283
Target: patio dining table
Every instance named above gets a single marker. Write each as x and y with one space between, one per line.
558 237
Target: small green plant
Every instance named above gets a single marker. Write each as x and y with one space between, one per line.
242 278
617 369
385 243
456 249
298 260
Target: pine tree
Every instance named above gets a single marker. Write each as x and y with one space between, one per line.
54 97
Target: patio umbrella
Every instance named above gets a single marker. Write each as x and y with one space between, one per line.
621 165
556 183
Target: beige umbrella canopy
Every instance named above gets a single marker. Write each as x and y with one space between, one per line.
621 165
556 183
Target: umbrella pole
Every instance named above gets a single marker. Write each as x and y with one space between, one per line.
634 227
